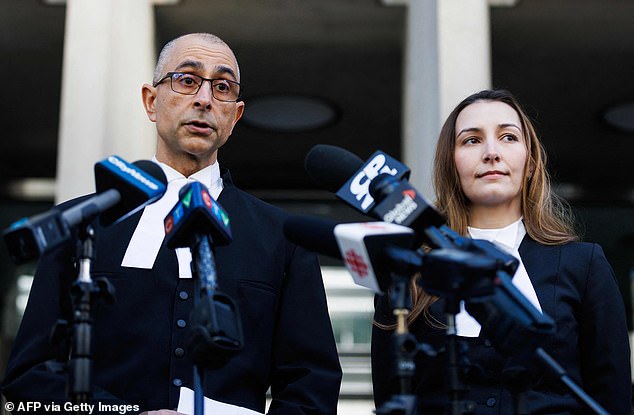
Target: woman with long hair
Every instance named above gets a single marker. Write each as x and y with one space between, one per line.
491 183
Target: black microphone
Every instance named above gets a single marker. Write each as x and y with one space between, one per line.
344 173
138 185
397 201
331 166
122 189
371 251
377 187
199 222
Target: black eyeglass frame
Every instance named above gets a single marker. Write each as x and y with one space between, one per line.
170 75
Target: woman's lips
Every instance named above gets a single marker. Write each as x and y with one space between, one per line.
491 174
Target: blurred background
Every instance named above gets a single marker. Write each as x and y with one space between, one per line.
365 75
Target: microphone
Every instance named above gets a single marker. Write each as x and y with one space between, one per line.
371 251
139 184
331 166
377 188
122 190
196 212
340 171
199 222
399 202
374 251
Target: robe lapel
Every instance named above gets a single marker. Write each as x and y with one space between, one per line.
542 263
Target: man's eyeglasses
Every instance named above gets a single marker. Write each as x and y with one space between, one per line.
189 84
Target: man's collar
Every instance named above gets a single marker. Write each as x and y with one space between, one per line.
209 176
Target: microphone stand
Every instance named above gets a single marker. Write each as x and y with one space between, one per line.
405 348
216 333
204 269
84 293
561 374
457 388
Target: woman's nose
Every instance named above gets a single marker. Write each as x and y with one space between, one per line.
491 152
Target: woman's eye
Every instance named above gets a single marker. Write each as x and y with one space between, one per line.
509 137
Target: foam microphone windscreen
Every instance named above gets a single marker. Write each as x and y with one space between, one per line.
331 166
314 234
152 169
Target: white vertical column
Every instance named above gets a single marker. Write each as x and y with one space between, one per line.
421 91
108 54
447 57
465 51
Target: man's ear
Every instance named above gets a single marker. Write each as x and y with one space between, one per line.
239 111
148 95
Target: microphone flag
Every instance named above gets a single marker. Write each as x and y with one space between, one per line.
196 212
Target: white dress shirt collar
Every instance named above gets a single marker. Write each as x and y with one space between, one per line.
209 176
508 238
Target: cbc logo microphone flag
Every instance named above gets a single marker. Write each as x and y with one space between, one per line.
356 190
352 238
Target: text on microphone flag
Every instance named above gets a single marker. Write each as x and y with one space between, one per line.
130 172
356 191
